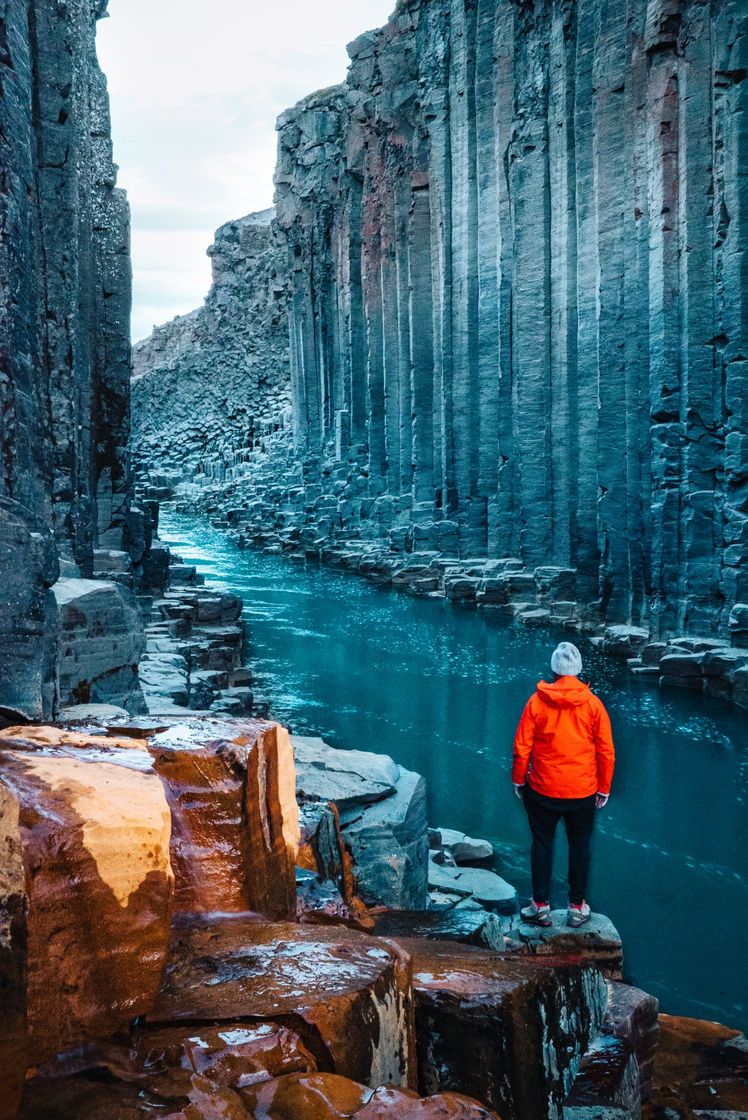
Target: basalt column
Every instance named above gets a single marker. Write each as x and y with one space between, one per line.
517 238
64 329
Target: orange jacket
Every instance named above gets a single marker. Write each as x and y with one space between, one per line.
564 744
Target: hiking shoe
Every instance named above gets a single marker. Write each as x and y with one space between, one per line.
536 914
577 914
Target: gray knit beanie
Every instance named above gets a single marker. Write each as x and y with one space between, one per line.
566 660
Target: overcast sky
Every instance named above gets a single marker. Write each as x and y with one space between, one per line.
195 88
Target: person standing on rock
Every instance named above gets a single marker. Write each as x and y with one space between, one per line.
563 768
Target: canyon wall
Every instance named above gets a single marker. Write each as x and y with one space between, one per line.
517 248
215 380
64 278
64 343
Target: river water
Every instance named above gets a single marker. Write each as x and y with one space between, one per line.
440 689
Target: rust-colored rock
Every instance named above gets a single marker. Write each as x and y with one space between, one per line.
347 995
234 1055
508 1031
231 786
324 1096
701 1069
85 892
307 1097
402 1105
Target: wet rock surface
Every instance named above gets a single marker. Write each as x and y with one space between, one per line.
510 1033
348 997
234 820
701 1070
86 890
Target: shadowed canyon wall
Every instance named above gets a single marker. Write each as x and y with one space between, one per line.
517 243
64 336
64 278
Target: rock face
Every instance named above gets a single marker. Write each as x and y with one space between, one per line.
230 357
382 817
64 280
64 349
496 1028
518 323
100 643
85 893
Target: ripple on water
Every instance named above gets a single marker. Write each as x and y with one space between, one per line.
440 690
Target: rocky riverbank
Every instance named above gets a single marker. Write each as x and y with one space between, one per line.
201 1007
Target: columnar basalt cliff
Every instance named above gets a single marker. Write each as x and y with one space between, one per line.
65 275
64 367
216 381
517 247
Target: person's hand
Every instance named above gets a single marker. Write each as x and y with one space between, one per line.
601 800
519 791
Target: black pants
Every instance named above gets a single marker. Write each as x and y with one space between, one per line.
544 813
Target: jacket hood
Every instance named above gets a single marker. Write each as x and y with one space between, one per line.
566 692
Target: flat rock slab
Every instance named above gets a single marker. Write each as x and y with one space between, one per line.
467 926
598 940
346 777
471 882
509 1032
348 996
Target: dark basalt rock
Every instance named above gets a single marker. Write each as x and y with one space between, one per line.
64 281
28 614
510 1033
491 324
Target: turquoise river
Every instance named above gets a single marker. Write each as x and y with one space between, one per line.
440 689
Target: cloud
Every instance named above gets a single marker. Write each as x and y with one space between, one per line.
195 90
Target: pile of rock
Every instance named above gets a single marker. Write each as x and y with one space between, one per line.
195 639
710 666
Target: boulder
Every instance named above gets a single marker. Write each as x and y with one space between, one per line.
348 997
347 778
463 849
388 841
325 1096
235 831
86 891
624 641
28 618
700 1070
510 1033
101 641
